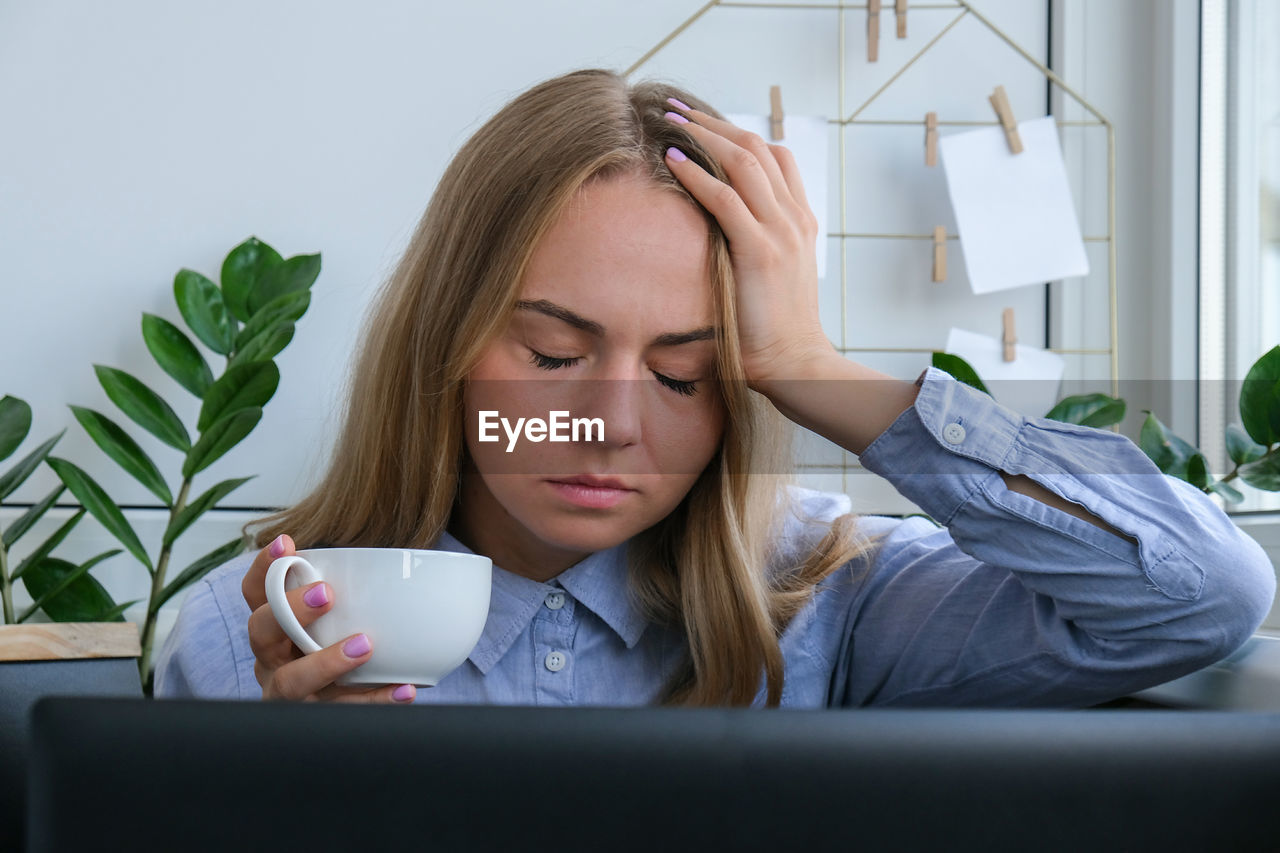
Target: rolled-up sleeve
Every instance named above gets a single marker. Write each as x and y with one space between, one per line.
1017 602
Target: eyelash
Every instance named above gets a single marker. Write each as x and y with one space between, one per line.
546 362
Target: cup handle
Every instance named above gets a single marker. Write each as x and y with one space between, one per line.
280 603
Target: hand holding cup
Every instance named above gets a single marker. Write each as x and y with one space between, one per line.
362 624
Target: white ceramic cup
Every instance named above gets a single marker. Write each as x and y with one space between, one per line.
424 611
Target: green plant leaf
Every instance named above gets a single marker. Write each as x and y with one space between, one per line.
46 547
101 507
264 346
67 592
115 614
1240 447
244 266
959 369
202 307
18 474
200 568
221 437
1172 455
1228 492
1198 471
295 274
288 308
241 387
199 507
14 531
144 407
1092 410
1260 399
176 355
1264 473
15 423
117 444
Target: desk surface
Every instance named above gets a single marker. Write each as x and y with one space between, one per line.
1248 680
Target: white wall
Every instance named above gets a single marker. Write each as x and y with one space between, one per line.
156 137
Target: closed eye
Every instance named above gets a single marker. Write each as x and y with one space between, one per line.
686 389
547 362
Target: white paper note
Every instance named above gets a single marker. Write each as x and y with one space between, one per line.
807 138
1016 218
1029 384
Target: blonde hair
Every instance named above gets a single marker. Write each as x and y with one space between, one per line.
710 567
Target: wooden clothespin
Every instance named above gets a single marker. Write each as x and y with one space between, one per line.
1009 336
775 112
1004 112
940 253
873 30
931 139
901 9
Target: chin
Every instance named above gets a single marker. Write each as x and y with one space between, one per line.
586 534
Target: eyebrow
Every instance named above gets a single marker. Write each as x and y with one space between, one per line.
666 339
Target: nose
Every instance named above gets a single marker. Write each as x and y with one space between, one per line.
618 403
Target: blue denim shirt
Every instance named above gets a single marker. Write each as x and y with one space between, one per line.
1010 603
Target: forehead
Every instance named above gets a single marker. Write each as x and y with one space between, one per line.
624 244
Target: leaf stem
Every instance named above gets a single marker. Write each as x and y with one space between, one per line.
157 587
6 584
1235 472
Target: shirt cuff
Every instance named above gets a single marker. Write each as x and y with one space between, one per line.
939 451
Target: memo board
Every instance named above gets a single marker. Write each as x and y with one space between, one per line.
855 117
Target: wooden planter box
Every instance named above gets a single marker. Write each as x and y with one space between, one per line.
53 659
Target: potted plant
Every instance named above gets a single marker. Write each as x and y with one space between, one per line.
71 637
90 651
248 319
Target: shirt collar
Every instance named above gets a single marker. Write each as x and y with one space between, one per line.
598 582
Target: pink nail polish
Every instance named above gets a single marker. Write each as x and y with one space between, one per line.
357 646
317 596
681 104
676 117
676 154
404 693
276 548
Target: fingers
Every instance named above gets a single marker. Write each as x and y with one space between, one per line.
311 678
308 675
253 586
393 694
751 163
791 174
282 670
268 640
737 220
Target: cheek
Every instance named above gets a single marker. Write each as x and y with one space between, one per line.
499 388
689 436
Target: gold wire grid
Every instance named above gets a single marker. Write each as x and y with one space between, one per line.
851 118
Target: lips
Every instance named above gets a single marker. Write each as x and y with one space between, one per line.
591 493
594 482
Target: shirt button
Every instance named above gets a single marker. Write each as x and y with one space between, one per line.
953 433
555 661
554 600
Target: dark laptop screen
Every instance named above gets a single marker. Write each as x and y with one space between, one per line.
248 776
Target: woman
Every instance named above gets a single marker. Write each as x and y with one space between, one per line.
616 253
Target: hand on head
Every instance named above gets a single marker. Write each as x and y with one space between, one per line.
281 668
771 232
